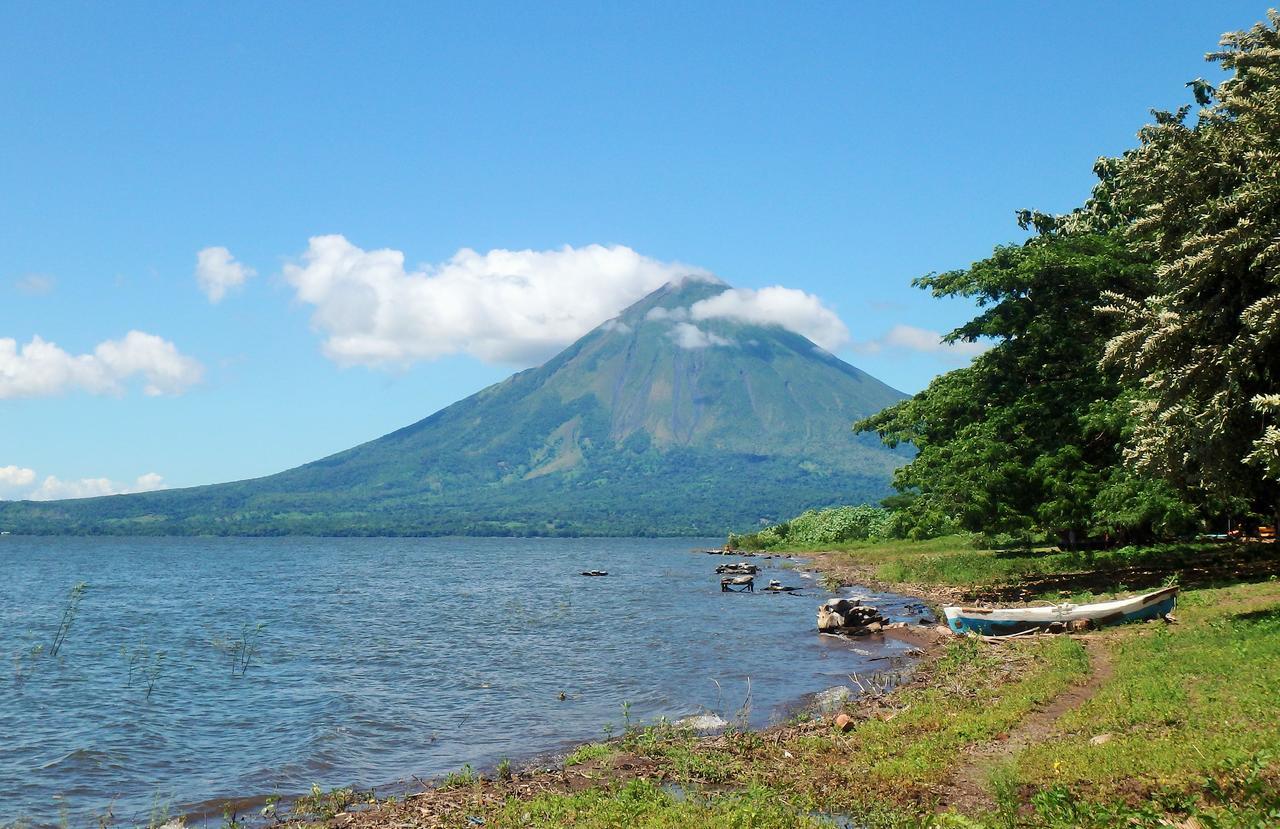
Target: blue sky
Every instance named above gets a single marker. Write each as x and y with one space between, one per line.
835 149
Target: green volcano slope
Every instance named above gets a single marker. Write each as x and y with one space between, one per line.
629 431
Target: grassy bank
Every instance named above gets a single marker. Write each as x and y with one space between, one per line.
1144 725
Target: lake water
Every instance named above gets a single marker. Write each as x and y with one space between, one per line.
376 660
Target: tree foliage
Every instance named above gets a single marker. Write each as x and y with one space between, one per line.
1136 364
1024 439
1202 345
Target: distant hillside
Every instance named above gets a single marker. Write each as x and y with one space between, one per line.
626 432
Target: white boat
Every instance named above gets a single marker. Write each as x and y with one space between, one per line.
1002 621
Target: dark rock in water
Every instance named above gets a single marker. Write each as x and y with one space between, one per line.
849 616
595 572
738 584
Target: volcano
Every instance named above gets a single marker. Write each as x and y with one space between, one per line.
653 423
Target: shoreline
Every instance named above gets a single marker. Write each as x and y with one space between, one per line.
1054 730
546 771
444 797
930 740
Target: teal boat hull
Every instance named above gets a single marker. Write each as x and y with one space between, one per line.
1008 621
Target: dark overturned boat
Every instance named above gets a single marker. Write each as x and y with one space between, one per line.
1003 621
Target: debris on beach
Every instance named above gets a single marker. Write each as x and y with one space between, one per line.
850 617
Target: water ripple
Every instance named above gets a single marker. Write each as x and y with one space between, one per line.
377 659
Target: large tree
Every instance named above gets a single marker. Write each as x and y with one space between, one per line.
1027 438
1202 343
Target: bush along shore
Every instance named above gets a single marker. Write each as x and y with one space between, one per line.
1152 724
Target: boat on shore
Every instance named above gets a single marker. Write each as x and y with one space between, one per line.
1004 621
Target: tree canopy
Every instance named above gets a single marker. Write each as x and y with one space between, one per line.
1202 345
1134 375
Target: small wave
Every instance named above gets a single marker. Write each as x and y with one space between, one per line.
81 758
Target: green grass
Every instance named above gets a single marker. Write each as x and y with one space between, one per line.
642 803
954 562
590 751
465 776
896 761
321 804
1192 717
886 767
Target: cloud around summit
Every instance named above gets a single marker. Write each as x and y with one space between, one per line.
512 306
790 308
504 306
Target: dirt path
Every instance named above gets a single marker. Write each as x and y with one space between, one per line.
967 791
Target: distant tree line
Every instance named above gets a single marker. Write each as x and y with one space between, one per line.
1132 389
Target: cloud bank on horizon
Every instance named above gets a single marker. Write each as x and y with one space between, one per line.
15 480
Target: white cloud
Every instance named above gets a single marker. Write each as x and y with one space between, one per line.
35 284
15 476
792 309
42 369
217 272
688 335
510 306
911 338
661 313
53 488
16 480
